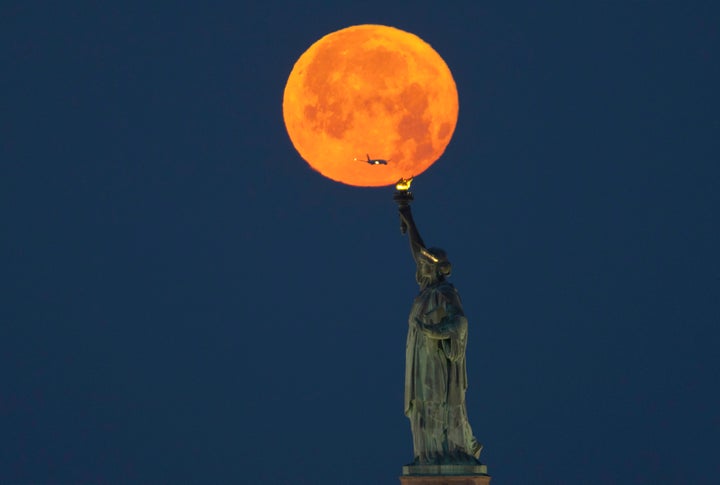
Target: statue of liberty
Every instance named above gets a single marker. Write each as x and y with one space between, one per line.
435 371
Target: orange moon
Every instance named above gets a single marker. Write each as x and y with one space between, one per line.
370 91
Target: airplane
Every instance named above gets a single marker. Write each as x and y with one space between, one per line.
376 161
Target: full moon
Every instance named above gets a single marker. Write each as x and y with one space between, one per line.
370 92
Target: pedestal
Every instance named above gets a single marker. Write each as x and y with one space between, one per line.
445 475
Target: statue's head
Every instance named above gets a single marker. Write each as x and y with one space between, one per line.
433 266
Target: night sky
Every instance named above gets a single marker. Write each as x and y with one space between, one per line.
183 300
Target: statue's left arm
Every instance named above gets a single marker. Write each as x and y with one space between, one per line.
451 331
447 323
450 326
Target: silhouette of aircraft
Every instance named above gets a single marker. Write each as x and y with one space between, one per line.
373 161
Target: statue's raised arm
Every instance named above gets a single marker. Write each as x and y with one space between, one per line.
407 224
432 263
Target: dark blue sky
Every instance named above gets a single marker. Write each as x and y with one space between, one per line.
184 301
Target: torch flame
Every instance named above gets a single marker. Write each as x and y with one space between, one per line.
403 184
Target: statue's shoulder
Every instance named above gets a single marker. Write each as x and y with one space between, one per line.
446 287
444 291
450 294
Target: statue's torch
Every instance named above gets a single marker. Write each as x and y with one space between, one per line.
403 196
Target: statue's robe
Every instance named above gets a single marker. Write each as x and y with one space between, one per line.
436 378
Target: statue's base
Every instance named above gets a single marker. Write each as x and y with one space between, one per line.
445 475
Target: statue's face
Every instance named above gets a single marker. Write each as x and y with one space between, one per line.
432 272
426 270
426 274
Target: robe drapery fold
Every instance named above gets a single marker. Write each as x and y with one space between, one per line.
436 376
